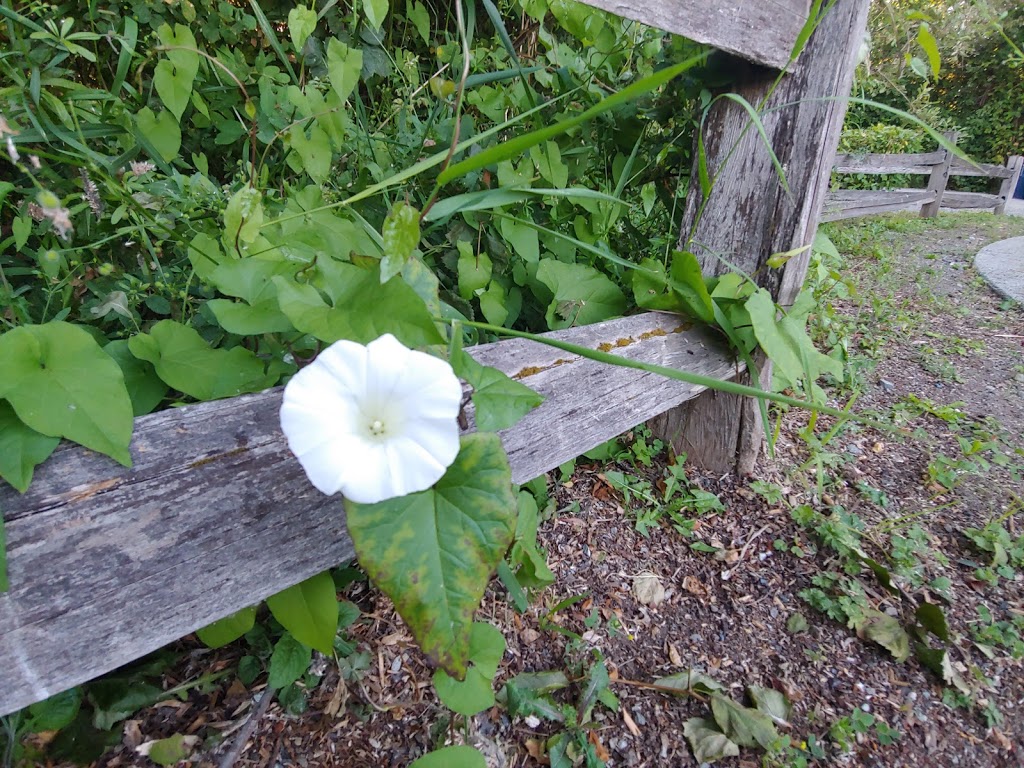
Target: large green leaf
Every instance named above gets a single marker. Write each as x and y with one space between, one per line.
582 294
288 662
459 756
309 611
708 743
786 341
21 448
433 552
301 24
363 309
188 364
375 11
747 727
161 131
60 383
343 67
475 693
228 629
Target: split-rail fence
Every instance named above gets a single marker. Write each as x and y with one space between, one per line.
107 564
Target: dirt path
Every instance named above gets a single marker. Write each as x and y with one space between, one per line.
741 562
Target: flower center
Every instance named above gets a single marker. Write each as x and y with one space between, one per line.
377 428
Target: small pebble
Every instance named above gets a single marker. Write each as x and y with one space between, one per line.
854 450
887 385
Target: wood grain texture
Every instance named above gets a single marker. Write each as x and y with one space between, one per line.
107 564
851 203
1016 164
938 180
749 216
761 31
874 163
959 200
963 168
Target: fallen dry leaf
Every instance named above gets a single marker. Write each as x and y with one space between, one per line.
630 724
647 589
602 753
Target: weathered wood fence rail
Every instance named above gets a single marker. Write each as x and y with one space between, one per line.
107 564
938 166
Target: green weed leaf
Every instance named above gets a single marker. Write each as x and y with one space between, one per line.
309 611
747 727
475 693
582 294
500 401
161 131
474 270
343 67
933 619
401 235
376 11
228 629
363 309
301 24
21 449
707 742
172 750
451 757
145 388
433 552
61 384
187 363
288 662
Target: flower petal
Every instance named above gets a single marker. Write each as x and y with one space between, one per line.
329 405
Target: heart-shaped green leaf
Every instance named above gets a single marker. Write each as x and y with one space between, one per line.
60 383
186 362
309 611
476 692
21 448
433 552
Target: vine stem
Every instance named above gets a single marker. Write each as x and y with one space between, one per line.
730 387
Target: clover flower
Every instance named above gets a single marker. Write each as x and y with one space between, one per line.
373 422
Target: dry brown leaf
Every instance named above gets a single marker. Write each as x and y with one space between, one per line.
647 589
602 753
338 699
694 586
673 656
630 724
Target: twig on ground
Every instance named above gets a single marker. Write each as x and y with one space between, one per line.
228 761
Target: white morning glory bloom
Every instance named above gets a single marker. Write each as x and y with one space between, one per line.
373 422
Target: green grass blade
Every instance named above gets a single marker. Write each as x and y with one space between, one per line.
268 30
601 253
499 26
124 60
756 120
518 145
731 387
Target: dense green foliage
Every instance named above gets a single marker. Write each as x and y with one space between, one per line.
957 66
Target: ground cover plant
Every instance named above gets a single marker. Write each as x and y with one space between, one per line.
184 177
672 613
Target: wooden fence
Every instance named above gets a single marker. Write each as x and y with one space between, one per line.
938 166
107 564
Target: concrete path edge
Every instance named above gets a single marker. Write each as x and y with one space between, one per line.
1002 265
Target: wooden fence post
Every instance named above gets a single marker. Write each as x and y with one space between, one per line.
938 180
1016 163
748 215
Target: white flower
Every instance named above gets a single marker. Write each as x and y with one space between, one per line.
373 422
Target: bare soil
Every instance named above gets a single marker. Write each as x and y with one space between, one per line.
919 324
